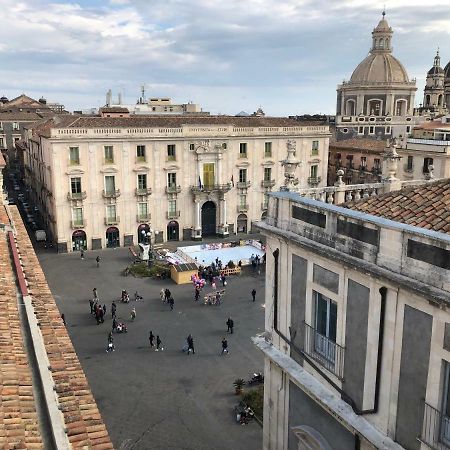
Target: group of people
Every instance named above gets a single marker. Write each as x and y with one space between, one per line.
166 296
97 310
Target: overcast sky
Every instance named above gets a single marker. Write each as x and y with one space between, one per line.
226 55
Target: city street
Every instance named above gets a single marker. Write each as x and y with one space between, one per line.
161 400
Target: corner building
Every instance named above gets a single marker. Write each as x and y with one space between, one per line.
100 182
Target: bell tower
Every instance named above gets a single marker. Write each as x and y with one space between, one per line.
433 94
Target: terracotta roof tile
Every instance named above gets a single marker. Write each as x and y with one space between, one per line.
425 206
359 144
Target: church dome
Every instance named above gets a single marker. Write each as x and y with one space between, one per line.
447 70
435 71
380 68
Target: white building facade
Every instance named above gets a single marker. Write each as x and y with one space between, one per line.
100 182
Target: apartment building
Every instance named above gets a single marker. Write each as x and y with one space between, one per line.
103 181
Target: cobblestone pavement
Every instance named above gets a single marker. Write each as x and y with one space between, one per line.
161 400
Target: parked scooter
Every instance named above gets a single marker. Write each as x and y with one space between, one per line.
257 378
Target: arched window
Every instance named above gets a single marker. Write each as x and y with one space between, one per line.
350 107
427 162
427 100
440 100
400 107
374 107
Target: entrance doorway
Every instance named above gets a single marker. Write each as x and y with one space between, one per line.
242 223
208 218
112 237
143 231
79 240
173 231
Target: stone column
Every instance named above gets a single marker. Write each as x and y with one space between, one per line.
339 194
359 104
223 226
197 231
218 177
391 159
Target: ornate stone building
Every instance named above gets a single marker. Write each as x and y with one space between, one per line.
378 100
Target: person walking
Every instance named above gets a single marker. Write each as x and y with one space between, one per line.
98 261
158 344
162 294
91 304
224 280
95 293
197 294
171 302
133 314
213 285
224 346
82 254
190 343
230 325
151 338
113 309
167 294
104 310
114 324
254 294
111 347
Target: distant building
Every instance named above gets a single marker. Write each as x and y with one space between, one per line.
101 181
114 111
378 100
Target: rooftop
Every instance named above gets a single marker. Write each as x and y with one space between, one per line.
426 206
359 144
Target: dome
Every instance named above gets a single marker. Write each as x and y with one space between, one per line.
383 25
380 68
447 70
435 71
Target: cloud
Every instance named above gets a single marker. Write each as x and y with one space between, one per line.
287 55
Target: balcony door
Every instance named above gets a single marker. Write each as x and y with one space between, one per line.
325 327
445 425
208 218
208 174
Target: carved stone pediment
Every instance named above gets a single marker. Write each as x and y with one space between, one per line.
141 169
205 146
243 164
268 163
172 168
75 172
109 170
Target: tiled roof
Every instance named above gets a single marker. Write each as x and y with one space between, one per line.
23 116
177 121
114 109
83 422
426 206
362 144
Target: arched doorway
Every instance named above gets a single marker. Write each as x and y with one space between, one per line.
208 218
264 215
173 231
242 223
112 237
143 231
79 240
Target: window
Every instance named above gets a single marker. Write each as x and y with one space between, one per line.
427 162
265 201
2 142
171 155
371 130
77 216
75 185
74 153
110 184
142 210
243 150
374 107
1 125
140 153
142 181
172 179
243 201
377 164
363 162
313 171
445 426
172 206
224 145
191 146
325 322
267 173
242 175
408 129
111 212
109 154
315 148
268 149
15 126
360 130
409 164
388 130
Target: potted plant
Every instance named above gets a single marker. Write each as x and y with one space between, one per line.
238 384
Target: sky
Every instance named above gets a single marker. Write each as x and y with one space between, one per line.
287 56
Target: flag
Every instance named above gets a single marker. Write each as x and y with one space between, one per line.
232 180
200 182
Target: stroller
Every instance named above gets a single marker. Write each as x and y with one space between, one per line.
121 328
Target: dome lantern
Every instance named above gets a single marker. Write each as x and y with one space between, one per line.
381 36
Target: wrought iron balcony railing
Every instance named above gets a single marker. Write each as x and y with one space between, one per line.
76 195
242 208
314 181
267 183
324 351
112 220
173 215
143 191
435 428
243 184
77 223
111 194
173 189
143 217
211 187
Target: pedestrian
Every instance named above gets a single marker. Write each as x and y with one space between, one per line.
171 302
95 293
162 294
104 310
110 337
100 314
167 295
224 280
110 347
98 261
254 294
213 285
230 325
91 304
197 294
158 344
151 338
113 309
82 254
190 343
225 346
133 314
63 318
114 324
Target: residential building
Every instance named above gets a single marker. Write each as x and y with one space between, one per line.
101 181
357 340
378 100
427 152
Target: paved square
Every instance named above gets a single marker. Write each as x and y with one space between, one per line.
161 400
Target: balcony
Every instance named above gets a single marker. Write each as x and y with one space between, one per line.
76 196
362 167
376 170
243 184
211 188
143 191
107 161
111 194
141 218
267 183
173 189
141 159
350 165
112 220
75 224
242 208
408 168
173 215
324 351
314 181
435 429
